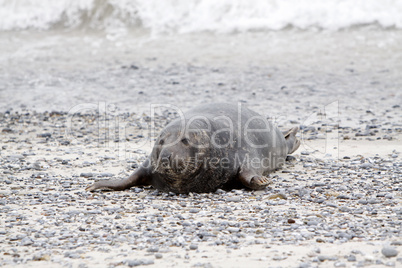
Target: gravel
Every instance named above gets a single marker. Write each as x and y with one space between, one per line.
47 216
323 208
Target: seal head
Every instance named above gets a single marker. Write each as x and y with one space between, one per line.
179 159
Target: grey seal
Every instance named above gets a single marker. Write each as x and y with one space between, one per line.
212 146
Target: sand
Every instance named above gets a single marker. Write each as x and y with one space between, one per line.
342 88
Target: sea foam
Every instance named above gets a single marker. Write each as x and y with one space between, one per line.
186 16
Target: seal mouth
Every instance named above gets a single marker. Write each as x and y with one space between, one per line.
187 167
179 177
178 168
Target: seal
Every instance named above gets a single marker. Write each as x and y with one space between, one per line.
212 146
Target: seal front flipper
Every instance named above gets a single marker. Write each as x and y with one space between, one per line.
253 181
140 177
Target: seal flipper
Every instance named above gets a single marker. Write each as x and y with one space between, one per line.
292 142
252 180
140 177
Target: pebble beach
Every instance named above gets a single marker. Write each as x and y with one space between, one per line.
77 107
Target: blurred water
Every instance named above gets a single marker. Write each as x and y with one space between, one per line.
184 16
285 70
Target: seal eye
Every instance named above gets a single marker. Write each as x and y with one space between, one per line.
161 142
185 141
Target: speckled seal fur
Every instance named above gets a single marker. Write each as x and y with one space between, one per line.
212 146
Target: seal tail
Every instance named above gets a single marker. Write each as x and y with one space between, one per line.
292 142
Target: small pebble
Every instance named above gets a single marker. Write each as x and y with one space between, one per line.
351 258
193 246
389 251
158 256
132 263
233 199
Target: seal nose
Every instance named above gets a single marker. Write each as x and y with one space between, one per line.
165 159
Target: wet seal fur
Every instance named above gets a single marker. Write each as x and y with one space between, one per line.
214 146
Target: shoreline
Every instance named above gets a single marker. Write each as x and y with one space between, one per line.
337 204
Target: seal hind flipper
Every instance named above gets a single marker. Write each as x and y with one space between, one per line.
259 182
253 181
292 142
140 177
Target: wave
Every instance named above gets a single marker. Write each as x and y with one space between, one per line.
186 16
